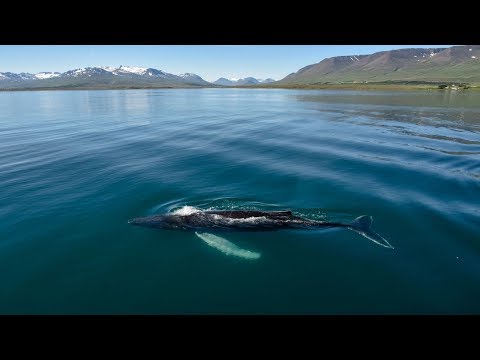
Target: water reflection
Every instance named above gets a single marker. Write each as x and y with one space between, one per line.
455 107
458 112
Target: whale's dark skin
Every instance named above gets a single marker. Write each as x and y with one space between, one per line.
231 220
247 220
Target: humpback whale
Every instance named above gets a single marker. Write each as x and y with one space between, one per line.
202 222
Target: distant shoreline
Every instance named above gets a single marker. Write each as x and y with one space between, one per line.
369 86
362 86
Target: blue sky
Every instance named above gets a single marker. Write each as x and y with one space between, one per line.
208 61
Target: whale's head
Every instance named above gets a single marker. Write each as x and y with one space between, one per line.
167 221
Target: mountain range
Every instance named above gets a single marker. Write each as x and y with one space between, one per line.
456 64
101 77
113 77
453 64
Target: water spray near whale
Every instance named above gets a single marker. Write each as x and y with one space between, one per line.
203 222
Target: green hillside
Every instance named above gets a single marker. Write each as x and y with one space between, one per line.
458 64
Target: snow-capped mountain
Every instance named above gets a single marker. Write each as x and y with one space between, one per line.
133 70
114 77
241 82
46 75
9 76
85 72
122 71
104 77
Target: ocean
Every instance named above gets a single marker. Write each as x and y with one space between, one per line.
77 165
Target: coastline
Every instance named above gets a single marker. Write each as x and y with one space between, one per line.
368 86
371 86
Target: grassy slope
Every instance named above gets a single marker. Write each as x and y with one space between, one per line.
468 72
457 64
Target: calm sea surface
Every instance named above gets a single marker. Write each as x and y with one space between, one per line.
76 165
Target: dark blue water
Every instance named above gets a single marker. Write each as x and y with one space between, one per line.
76 165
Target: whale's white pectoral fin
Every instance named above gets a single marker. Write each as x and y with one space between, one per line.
227 247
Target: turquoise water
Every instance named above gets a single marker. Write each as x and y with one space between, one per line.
76 165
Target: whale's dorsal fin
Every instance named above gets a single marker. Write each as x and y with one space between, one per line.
227 247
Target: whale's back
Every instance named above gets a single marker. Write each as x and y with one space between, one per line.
244 214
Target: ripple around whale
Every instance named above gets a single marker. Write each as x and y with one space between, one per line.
76 165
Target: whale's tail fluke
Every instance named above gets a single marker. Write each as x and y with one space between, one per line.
363 226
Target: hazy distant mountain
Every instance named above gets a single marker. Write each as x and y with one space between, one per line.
454 64
266 81
241 82
224 82
100 77
247 81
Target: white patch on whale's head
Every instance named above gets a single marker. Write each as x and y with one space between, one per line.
186 210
